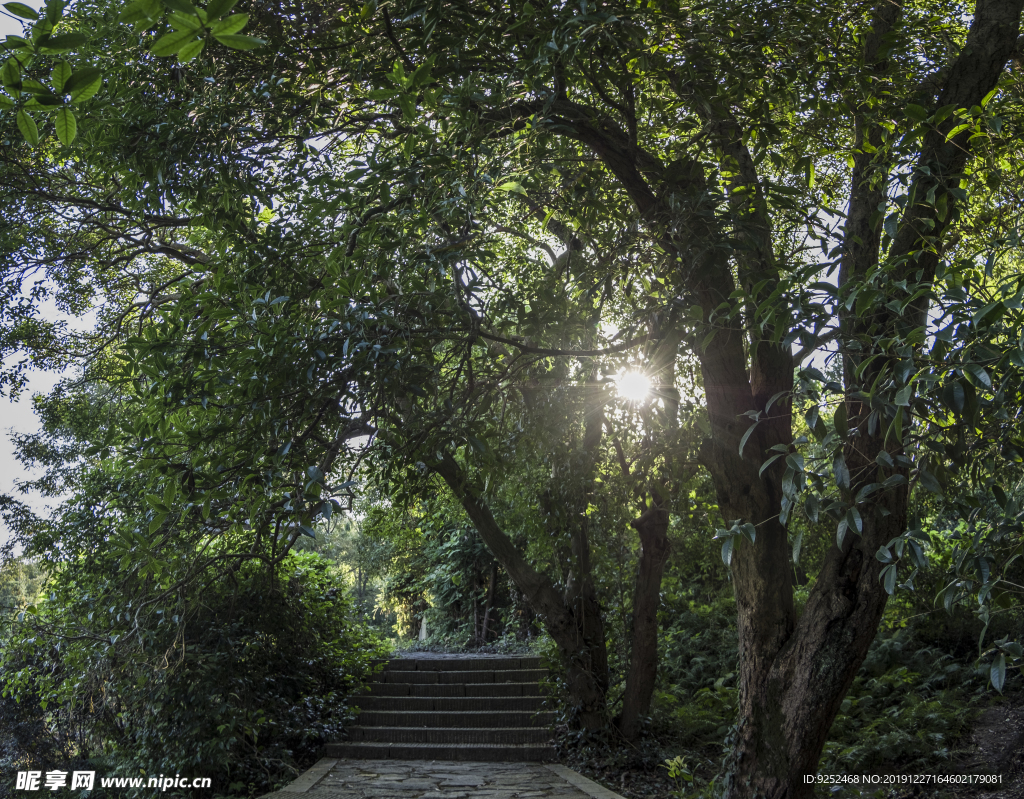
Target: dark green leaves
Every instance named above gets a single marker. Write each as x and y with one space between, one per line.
997 672
841 471
839 420
218 8
229 25
238 42
22 10
83 84
979 374
171 43
144 13
62 43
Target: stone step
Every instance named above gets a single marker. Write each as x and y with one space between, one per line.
421 703
453 689
461 676
448 735
461 664
431 751
455 718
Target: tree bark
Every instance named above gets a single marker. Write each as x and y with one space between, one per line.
652 527
795 674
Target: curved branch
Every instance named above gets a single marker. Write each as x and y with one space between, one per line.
633 342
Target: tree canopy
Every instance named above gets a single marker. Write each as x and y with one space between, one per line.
430 238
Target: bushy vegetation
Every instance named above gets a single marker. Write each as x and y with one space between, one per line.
244 691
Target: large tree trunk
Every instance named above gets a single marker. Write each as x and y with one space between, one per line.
652 527
794 674
792 685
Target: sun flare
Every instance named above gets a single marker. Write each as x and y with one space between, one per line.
633 386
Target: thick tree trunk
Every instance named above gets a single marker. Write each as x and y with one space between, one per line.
790 694
794 673
643 658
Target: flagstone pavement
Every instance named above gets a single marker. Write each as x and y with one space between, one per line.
425 779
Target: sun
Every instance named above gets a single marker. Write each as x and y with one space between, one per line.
633 386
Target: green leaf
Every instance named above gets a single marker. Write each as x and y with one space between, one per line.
63 43
769 462
67 127
891 225
889 578
512 186
841 471
22 10
238 42
929 481
35 87
812 507
10 73
60 75
231 24
979 373
181 6
883 554
798 542
953 396
28 128
185 22
916 112
746 436
958 130
841 530
895 431
191 50
218 8
839 420
903 395
727 548
171 43
997 673
142 10
83 84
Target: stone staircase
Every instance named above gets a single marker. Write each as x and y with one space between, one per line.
452 708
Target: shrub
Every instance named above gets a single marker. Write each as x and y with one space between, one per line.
244 690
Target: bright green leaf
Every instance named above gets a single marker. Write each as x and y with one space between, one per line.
28 128
238 42
171 43
67 127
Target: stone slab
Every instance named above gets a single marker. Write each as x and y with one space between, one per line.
418 779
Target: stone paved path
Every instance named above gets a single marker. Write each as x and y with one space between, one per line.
421 779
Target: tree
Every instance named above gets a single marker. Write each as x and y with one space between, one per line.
509 203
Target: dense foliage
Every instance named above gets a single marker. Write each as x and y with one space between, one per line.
424 246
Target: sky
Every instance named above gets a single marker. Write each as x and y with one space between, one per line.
18 416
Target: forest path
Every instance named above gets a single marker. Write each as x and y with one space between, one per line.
420 779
